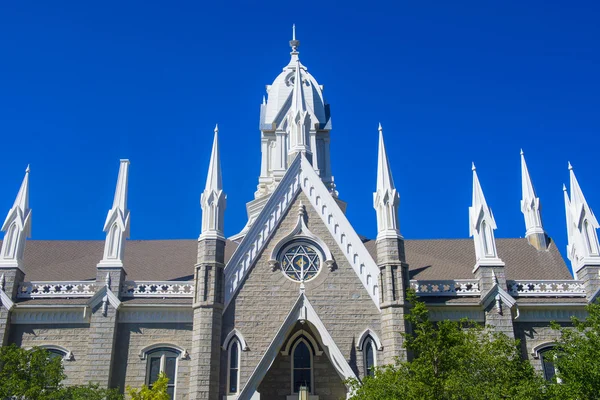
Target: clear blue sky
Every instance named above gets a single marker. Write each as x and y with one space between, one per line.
83 84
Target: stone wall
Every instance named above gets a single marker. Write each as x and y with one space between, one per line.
266 297
130 370
72 337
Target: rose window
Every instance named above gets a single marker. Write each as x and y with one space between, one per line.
300 262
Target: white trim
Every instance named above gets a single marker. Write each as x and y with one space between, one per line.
364 336
339 227
302 310
183 354
535 352
67 354
230 344
235 333
6 301
313 343
312 366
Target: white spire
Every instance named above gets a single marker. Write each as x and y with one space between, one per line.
213 199
298 117
386 199
117 221
531 209
17 226
482 226
214 180
583 247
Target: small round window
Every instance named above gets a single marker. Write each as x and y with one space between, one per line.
300 262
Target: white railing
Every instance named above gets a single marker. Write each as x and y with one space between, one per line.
157 289
40 290
458 287
568 288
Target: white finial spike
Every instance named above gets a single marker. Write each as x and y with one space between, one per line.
380 129
2 282
564 187
384 173
27 169
293 31
214 180
120 200
216 128
569 165
17 226
473 166
264 100
531 209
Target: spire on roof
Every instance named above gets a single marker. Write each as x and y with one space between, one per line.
213 199
531 209
117 221
294 44
298 103
482 226
17 226
386 199
583 248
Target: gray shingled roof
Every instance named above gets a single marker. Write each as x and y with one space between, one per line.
163 260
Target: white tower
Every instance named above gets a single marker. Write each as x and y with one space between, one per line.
583 248
482 226
531 209
17 226
213 200
116 226
386 199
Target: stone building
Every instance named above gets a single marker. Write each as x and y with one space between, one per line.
297 298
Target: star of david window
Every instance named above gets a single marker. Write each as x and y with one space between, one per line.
300 262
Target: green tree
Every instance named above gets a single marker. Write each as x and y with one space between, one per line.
34 375
158 391
453 360
577 358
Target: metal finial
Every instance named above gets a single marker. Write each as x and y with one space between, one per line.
216 128
27 169
380 129
294 44
521 151
473 166
301 209
570 166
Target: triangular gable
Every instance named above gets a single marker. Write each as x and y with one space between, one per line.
301 311
301 176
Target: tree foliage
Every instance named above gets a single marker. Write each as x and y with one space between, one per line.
158 391
453 360
34 375
577 358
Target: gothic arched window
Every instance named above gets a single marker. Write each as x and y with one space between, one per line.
162 360
233 366
301 367
548 364
369 356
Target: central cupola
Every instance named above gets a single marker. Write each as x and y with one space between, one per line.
294 118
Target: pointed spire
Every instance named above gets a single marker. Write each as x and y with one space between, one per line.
482 226
583 248
213 199
214 180
117 221
120 200
17 226
384 173
577 196
386 199
478 197
531 209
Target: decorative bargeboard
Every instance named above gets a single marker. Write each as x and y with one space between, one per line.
40 290
166 289
458 287
568 288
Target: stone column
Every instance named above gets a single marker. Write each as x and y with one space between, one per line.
589 275
103 329
11 277
208 313
502 321
394 282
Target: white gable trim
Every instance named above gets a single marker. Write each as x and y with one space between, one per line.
301 175
6 301
238 335
363 336
301 311
338 225
261 230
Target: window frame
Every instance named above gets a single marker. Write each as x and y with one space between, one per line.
164 352
543 353
305 243
234 342
302 339
66 354
369 342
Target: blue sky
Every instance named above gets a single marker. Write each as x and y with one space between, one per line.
84 84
